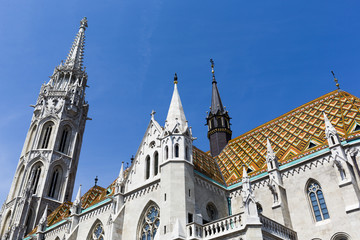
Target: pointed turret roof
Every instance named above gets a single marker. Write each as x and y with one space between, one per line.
121 174
43 219
176 113
270 151
78 197
216 104
75 57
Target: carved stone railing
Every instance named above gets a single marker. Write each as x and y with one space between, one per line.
214 229
277 229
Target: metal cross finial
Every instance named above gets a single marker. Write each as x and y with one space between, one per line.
336 81
212 70
96 180
175 79
152 114
83 23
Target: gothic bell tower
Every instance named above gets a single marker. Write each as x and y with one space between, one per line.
218 120
46 171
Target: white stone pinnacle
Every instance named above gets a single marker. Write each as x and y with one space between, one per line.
176 113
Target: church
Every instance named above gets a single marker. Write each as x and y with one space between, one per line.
294 177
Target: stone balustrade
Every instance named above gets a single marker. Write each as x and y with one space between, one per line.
214 229
277 229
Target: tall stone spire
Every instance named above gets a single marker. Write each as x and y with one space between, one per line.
218 120
75 57
176 115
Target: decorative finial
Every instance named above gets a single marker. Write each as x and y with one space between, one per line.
132 158
152 114
96 180
175 79
212 70
83 23
336 81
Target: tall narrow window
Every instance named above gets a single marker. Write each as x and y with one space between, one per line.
54 180
64 140
147 170
219 122
46 134
187 153
166 152
176 150
35 180
156 163
31 139
332 140
317 202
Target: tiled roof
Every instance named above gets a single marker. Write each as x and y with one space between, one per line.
92 196
207 165
293 135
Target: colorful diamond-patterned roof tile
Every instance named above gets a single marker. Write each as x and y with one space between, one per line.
92 196
293 135
207 165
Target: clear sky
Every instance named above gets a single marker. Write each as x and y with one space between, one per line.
270 57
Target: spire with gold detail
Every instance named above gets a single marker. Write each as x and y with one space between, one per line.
176 116
218 120
75 57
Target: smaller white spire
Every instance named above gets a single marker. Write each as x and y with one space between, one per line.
43 220
328 126
270 151
121 174
176 115
78 197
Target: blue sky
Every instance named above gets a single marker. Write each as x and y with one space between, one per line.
270 57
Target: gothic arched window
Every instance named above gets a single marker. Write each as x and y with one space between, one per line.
46 134
35 177
176 149
187 153
31 139
317 201
64 140
156 163
97 232
55 181
147 167
166 152
149 223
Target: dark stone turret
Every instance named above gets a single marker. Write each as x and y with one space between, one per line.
218 120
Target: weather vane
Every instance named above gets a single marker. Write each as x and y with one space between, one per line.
336 81
212 69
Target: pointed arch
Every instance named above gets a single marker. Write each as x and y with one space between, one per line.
46 135
316 200
166 152
31 139
97 231
341 236
149 222
156 163
35 175
147 167
64 139
6 223
19 177
176 150
55 181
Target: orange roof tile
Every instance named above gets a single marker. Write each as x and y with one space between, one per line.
290 134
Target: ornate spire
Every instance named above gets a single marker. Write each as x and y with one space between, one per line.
335 80
216 104
329 128
43 219
176 115
120 179
78 197
75 57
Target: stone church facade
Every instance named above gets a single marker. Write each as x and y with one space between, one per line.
295 177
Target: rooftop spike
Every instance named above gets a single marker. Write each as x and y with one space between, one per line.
176 113
43 220
78 197
121 174
75 57
216 104
270 151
